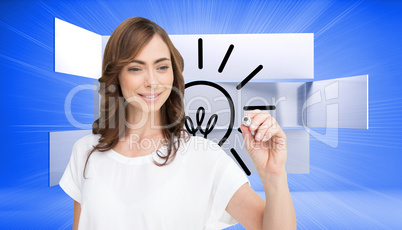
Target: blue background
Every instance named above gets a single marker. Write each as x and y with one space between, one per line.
354 186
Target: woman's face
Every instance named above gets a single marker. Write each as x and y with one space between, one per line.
147 81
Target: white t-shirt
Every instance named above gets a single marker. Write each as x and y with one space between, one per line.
121 192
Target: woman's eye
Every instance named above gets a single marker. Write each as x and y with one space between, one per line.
163 68
134 69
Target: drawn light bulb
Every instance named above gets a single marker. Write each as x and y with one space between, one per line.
214 118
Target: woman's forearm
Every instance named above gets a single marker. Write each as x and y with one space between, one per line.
279 212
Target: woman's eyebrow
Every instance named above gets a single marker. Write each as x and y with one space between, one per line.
157 61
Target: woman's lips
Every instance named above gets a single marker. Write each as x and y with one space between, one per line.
150 98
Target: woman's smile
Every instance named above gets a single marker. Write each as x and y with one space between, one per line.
150 97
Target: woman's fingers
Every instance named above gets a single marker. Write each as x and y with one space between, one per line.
263 132
253 113
272 131
245 130
261 122
247 136
258 118
269 132
264 126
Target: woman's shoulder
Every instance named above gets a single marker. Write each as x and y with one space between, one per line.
87 141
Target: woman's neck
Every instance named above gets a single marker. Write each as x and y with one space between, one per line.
143 124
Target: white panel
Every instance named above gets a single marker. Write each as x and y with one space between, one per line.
298 160
97 100
338 103
283 56
77 51
288 97
104 42
60 149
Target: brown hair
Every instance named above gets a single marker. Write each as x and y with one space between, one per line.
124 44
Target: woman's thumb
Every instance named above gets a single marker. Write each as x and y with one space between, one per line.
247 136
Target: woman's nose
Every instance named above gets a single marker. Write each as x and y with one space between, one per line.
151 79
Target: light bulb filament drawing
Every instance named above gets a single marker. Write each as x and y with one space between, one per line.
208 129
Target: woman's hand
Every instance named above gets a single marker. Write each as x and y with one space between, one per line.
267 147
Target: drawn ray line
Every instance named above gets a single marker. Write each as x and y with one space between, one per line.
200 57
249 77
225 59
244 167
260 107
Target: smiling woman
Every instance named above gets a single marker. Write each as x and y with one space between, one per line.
141 62
140 169
149 77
